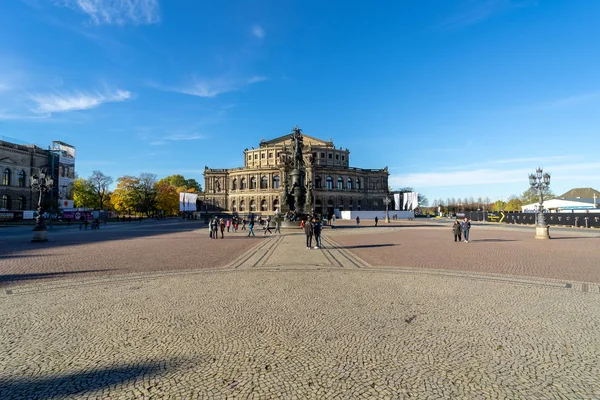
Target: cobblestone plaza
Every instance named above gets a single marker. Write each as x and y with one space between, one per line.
158 310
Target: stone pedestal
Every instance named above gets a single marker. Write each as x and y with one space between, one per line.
542 232
39 236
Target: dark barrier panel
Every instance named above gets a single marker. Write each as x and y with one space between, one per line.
562 219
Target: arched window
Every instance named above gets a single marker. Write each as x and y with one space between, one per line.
5 202
21 180
349 185
329 183
253 183
264 182
276 182
252 205
318 182
340 184
358 187
6 177
233 205
242 205
263 205
276 205
243 184
22 203
234 184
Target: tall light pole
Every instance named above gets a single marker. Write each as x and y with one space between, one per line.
540 182
387 201
42 183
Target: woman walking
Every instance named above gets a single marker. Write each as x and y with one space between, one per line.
250 228
457 229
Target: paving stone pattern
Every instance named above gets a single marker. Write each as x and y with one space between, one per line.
274 320
490 250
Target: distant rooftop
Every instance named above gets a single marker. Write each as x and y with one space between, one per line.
580 193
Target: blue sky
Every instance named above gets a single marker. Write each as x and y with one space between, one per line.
458 98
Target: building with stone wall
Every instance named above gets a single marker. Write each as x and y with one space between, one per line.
18 163
261 184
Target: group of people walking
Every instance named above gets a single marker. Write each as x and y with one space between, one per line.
232 225
461 228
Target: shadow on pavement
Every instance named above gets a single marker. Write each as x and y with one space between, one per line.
572 237
366 246
72 384
387 226
494 240
18 244
44 275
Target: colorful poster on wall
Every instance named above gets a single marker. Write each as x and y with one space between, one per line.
66 170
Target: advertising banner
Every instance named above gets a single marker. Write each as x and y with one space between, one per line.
187 201
66 170
397 201
76 215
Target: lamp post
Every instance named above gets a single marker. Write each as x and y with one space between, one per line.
387 201
42 183
540 182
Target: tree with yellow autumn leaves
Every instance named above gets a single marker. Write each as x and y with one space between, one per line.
145 194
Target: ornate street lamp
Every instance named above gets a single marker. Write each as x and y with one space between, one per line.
387 201
540 182
40 182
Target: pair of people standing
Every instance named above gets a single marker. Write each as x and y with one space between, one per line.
460 229
312 228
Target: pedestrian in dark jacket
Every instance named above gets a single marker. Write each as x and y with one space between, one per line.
457 229
308 231
466 227
376 221
317 227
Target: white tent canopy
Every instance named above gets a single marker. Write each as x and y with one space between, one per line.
557 205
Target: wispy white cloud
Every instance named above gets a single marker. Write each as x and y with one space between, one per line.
176 138
179 137
116 12
64 101
514 161
569 101
212 87
258 31
475 12
7 116
489 176
256 79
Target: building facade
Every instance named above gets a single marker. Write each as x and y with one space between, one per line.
262 183
17 163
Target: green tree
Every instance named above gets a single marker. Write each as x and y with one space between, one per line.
83 193
100 184
182 184
193 184
514 203
499 205
125 197
531 195
167 198
147 192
